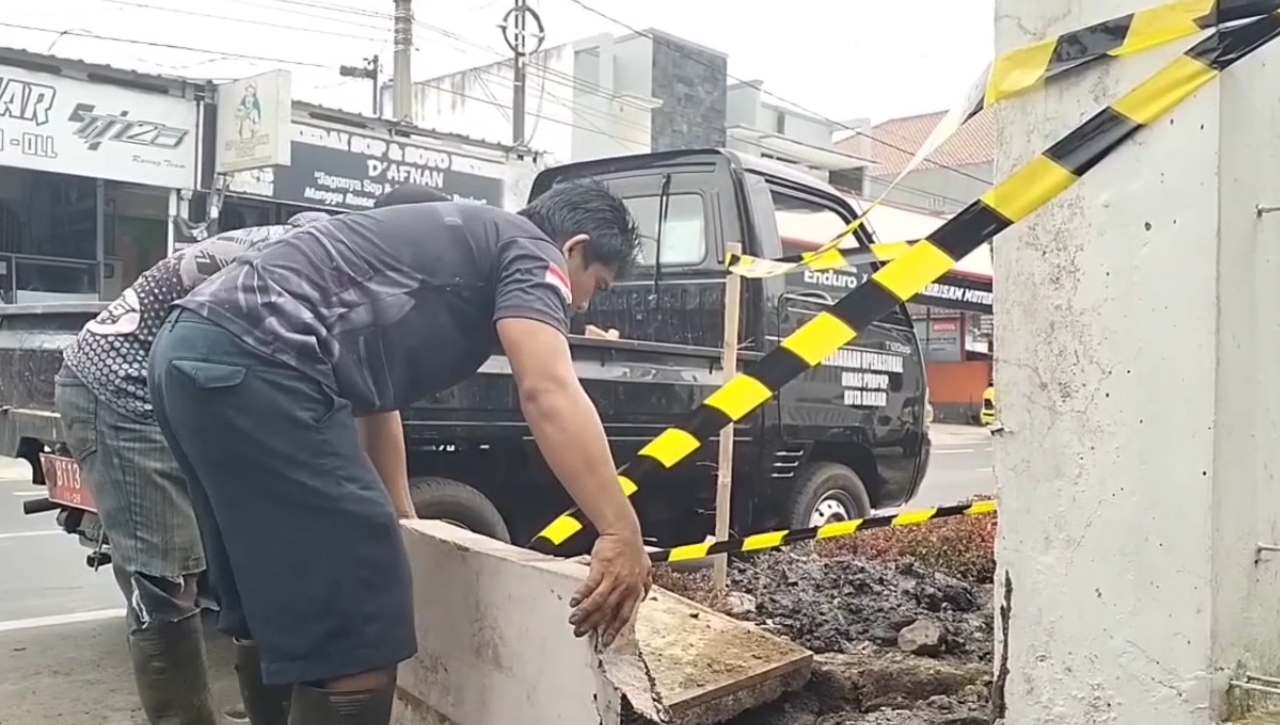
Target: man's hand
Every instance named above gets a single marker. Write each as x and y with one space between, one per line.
618 581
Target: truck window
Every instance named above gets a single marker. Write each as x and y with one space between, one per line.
684 235
805 224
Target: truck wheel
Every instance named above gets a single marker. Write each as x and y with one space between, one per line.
827 493
457 503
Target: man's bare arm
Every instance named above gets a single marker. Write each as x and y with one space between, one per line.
382 435
566 424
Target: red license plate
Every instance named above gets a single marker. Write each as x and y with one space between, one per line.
62 481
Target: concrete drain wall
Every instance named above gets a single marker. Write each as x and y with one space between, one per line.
495 646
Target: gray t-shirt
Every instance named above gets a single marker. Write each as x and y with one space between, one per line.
110 353
390 305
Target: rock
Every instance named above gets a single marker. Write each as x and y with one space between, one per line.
974 694
884 635
924 637
941 703
739 604
876 679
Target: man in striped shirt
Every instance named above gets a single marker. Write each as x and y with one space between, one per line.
102 396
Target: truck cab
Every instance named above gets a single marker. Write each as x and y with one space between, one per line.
862 412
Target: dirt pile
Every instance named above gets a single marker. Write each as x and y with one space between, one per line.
838 605
896 644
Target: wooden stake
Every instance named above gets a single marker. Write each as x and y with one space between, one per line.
729 366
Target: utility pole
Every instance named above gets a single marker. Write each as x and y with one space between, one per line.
515 31
402 80
371 70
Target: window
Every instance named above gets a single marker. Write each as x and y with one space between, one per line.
805 224
684 235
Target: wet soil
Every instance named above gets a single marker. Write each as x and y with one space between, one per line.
849 612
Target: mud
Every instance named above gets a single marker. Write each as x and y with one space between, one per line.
839 605
849 611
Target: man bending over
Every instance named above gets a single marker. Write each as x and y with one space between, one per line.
266 378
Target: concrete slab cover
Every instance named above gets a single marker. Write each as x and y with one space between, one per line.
495 646
708 667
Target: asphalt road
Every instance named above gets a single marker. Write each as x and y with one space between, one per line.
62 654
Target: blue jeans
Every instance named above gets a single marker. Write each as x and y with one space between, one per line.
303 544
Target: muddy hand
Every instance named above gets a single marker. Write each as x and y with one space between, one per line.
618 581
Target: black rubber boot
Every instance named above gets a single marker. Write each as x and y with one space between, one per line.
173 679
264 704
312 706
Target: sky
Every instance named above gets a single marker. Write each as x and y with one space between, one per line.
842 60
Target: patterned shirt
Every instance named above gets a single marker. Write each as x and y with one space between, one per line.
110 353
390 305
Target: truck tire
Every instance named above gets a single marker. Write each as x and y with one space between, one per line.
459 504
826 493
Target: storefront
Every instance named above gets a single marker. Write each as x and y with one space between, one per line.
344 162
954 323
91 159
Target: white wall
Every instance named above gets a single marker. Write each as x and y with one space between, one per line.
1136 373
584 100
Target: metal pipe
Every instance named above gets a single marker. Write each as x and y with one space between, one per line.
1260 678
1255 688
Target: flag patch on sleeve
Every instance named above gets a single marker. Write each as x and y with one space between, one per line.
558 279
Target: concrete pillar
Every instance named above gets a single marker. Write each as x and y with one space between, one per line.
1138 318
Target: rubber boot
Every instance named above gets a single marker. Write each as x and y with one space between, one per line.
264 704
173 679
313 706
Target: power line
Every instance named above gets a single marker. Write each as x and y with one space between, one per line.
167 46
265 59
246 21
682 52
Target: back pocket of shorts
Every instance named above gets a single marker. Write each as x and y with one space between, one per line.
210 375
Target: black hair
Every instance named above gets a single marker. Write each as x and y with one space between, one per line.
410 194
586 206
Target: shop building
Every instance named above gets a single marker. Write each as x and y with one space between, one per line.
340 162
94 161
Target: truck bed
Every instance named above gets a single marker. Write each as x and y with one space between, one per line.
639 387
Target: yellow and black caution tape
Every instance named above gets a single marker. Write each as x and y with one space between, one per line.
1008 203
832 259
1021 69
770 540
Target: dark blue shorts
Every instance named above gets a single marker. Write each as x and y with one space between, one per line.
302 543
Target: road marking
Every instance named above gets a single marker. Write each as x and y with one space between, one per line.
22 534
27 493
959 450
983 470
14 625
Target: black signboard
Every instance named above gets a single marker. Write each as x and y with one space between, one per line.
347 171
958 292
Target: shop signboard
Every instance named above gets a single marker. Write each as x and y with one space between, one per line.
254 122
96 130
959 292
339 169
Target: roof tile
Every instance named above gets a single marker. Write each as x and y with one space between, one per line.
895 141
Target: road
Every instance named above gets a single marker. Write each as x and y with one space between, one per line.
62 654
960 467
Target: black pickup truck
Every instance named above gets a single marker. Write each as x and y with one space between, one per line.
841 440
